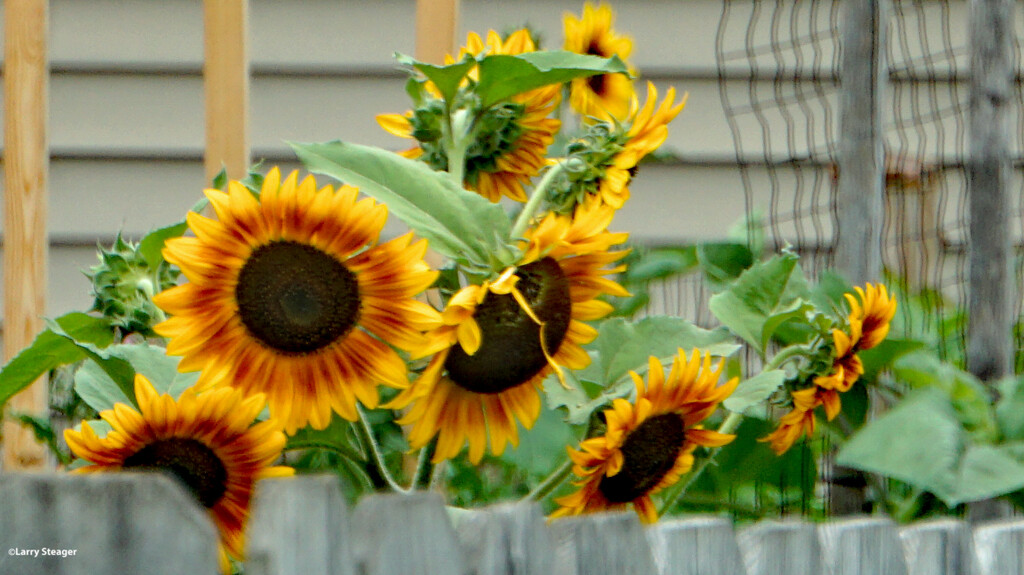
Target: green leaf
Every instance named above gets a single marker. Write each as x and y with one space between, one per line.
503 76
661 263
455 221
1010 408
98 389
338 436
625 346
968 396
919 442
49 351
754 391
986 471
446 78
152 245
723 262
762 298
542 447
885 354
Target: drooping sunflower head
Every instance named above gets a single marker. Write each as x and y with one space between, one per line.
604 160
499 340
873 309
649 444
207 441
603 97
292 296
509 139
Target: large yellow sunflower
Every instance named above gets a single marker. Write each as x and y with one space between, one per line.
501 339
207 441
292 296
649 444
871 313
503 160
604 96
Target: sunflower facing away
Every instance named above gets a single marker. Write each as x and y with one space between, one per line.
512 137
871 313
501 339
614 157
604 96
648 444
207 441
291 296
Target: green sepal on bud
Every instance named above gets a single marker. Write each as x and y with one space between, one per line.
123 286
587 158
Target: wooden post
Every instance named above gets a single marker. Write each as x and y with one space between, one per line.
26 163
856 546
226 79
990 345
860 197
436 27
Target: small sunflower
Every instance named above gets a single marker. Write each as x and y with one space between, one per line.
871 313
511 138
499 340
604 96
612 152
207 441
648 445
292 296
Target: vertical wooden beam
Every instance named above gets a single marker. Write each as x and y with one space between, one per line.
860 197
990 342
226 79
437 24
26 162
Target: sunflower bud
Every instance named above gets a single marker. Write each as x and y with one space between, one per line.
123 285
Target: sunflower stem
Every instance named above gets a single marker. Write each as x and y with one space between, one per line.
422 477
459 126
365 432
672 494
550 483
533 204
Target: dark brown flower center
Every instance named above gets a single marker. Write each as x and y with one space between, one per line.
649 452
296 299
510 349
188 460
596 82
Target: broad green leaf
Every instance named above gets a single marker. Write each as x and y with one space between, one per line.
119 370
152 245
98 389
725 261
763 297
153 362
660 263
1010 408
50 351
885 354
919 441
542 447
455 221
625 346
446 78
337 436
986 471
968 396
573 399
503 76
754 391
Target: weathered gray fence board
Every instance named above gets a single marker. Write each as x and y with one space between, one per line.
999 548
780 548
695 546
601 544
861 546
940 547
510 539
395 534
113 523
299 526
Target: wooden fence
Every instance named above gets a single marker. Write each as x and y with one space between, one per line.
60 524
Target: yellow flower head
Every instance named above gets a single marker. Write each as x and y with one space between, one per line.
604 97
649 444
501 339
207 441
291 296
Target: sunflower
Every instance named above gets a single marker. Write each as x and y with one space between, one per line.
604 96
511 137
871 313
648 445
498 341
292 296
206 440
612 152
